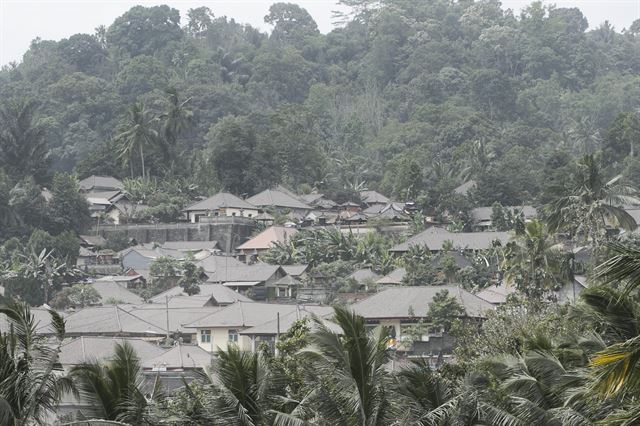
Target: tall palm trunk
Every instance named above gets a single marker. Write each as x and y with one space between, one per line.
142 160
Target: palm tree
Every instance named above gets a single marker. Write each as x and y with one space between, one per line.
114 390
349 383
245 390
534 263
23 144
426 398
617 366
591 202
137 134
30 386
176 119
538 390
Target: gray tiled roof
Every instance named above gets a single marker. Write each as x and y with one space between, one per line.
93 240
295 270
310 198
214 263
272 197
394 277
496 294
41 318
107 320
287 280
396 302
287 321
373 197
157 314
179 357
390 208
434 238
483 214
219 201
362 275
96 348
258 272
103 182
243 314
113 290
222 295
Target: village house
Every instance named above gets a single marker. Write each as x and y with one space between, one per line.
437 239
172 319
250 250
100 183
250 280
114 321
318 201
481 216
280 200
393 278
221 204
283 288
223 327
400 309
373 198
392 211
268 332
115 292
217 294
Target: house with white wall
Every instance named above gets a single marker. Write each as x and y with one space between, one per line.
221 204
219 329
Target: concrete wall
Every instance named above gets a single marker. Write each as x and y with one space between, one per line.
230 232
220 339
205 215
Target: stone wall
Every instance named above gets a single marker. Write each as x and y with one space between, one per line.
230 232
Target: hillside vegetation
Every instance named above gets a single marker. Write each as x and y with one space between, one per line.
410 98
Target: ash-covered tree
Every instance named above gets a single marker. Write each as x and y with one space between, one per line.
232 141
68 209
444 310
191 277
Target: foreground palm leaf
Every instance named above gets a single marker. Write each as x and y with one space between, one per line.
352 386
30 387
245 391
114 390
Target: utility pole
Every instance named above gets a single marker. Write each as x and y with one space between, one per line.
275 346
166 304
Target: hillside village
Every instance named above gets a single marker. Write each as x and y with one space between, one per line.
424 215
242 294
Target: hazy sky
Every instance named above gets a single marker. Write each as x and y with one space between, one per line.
23 20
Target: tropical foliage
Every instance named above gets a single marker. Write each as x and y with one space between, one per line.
30 384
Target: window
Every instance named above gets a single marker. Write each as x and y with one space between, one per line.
205 336
233 336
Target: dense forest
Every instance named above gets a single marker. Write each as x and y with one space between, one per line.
410 98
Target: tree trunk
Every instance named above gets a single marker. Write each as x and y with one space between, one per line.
142 160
